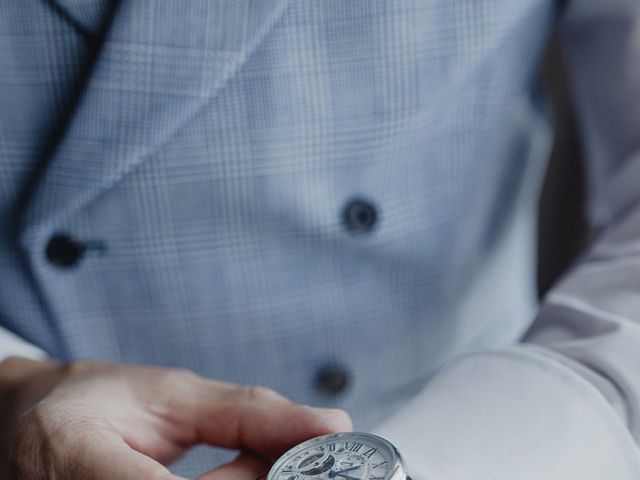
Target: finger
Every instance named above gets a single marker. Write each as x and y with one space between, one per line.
270 428
245 467
244 418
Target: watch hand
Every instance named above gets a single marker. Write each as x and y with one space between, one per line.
333 474
344 476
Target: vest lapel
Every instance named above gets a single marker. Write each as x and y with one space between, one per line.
88 15
160 62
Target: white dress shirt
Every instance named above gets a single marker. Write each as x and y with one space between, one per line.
564 404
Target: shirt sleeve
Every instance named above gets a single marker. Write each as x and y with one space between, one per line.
12 345
564 403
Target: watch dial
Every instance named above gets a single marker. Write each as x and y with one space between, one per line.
342 456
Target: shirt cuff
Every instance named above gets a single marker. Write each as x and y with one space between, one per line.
511 414
12 345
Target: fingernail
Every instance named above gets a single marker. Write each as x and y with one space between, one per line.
333 418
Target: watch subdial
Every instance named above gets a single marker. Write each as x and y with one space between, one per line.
316 464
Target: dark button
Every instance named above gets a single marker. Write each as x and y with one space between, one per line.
359 216
332 379
63 251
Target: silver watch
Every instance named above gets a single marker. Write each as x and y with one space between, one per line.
341 456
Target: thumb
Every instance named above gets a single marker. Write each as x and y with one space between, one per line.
96 454
245 467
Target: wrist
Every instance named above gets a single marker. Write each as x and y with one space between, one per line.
23 383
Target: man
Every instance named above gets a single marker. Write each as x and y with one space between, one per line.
333 199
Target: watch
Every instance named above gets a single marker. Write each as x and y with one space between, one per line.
341 456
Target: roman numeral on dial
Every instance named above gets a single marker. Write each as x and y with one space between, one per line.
353 446
370 453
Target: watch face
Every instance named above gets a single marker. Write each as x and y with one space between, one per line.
340 456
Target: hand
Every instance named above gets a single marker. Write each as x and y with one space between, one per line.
97 421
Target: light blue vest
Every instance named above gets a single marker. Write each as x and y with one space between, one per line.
260 190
